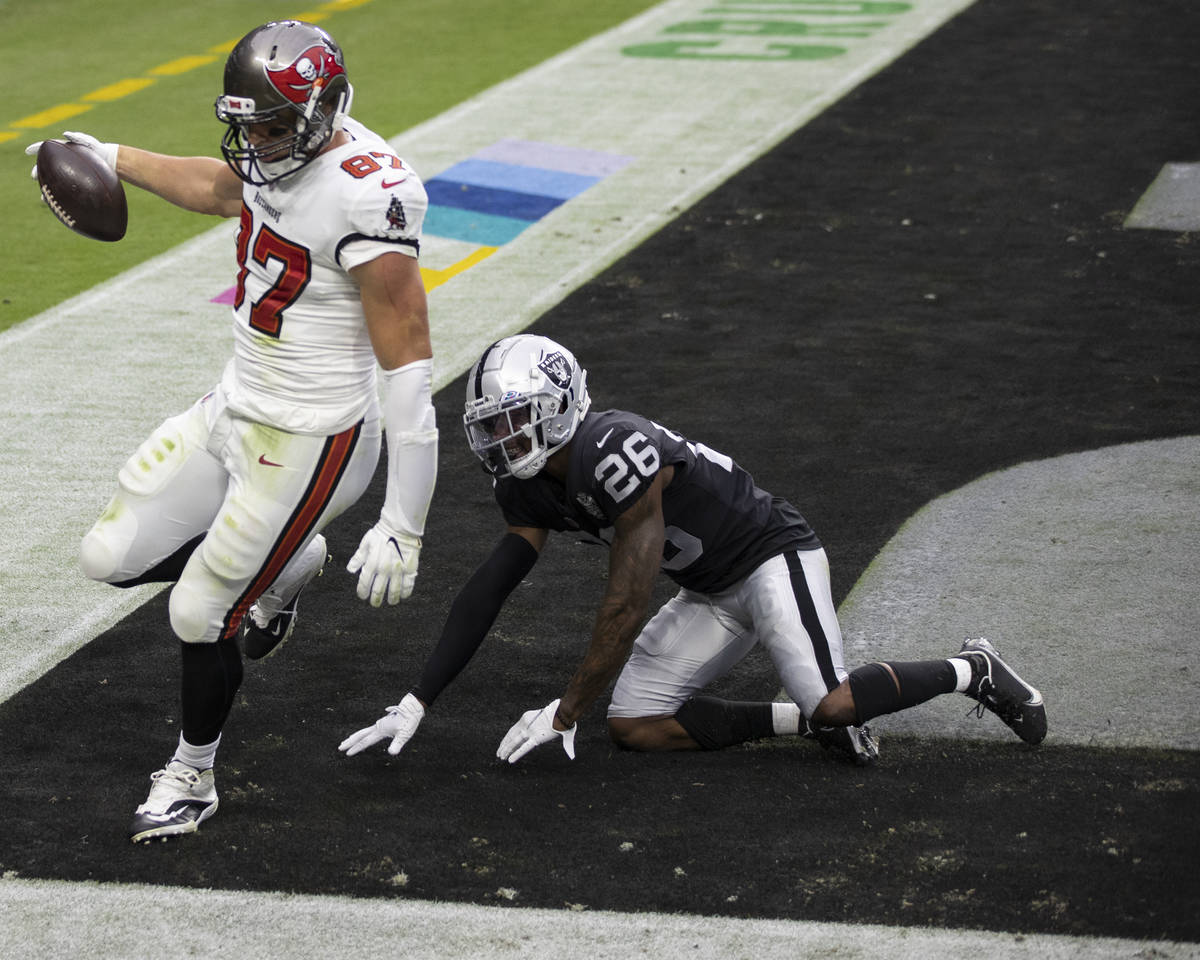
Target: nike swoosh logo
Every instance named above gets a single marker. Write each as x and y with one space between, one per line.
262 458
388 184
600 443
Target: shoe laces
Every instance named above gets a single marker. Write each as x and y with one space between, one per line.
179 780
186 775
1006 710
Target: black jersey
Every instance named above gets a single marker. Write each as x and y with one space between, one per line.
719 524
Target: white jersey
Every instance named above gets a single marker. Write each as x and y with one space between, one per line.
302 359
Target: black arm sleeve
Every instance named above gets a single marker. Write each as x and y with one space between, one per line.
473 612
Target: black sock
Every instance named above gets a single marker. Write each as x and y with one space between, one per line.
875 692
715 723
212 673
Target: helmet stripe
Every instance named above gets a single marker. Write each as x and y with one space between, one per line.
479 370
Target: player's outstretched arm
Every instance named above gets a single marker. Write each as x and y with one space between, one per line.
634 560
200 184
471 617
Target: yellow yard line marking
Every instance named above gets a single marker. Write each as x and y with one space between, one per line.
122 88
52 116
435 278
175 67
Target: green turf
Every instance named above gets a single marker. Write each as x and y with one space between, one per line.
408 62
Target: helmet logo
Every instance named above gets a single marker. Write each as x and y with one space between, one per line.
557 369
307 69
315 67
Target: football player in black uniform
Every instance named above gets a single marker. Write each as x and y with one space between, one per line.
749 567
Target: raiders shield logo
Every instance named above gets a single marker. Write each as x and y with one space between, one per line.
557 370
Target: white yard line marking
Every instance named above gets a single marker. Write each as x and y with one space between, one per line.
45 916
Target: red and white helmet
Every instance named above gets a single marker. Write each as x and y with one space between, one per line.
288 79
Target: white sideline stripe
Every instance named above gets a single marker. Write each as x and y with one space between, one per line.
121 920
1087 555
1171 202
688 124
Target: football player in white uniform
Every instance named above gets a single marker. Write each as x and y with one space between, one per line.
749 568
228 499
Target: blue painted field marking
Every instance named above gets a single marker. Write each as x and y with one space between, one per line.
492 196
550 156
511 176
472 226
529 207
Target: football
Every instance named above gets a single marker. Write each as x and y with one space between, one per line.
81 190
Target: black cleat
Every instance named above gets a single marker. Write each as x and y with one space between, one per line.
263 635
851 743
996 686
259 643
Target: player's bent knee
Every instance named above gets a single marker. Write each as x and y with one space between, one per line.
104 550
837 709
627 732
97 559
189 614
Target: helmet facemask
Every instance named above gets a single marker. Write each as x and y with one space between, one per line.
523 405
286 94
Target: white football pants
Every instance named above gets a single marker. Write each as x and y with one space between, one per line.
257 493
785 604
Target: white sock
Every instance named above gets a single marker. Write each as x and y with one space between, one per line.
202 758
785 718
961 667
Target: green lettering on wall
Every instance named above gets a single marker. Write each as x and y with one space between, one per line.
709 50
777 28
821 8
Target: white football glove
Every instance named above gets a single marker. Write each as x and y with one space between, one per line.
107 151
533 729
386 564
400 724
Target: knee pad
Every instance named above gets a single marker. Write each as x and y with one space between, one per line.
189 613
102 550
96 558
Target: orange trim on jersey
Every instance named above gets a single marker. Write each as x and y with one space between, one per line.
332 464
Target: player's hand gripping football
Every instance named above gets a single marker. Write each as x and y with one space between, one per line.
386 564
533 729
106 151
399 724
